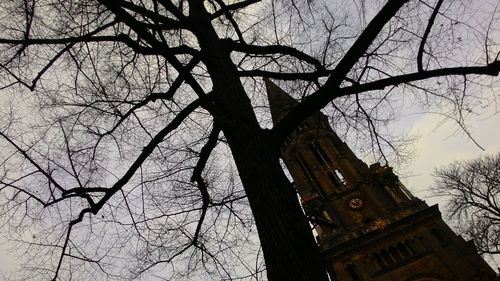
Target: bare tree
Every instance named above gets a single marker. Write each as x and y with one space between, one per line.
116 162
472 189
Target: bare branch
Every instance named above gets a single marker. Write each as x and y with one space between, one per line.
421 48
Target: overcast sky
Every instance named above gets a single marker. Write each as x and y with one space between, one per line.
439 144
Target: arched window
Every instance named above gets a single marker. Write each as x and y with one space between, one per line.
395 254
403 250
410 247
340 176
379 263
308 174
387 258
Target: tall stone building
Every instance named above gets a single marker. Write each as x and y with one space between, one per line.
368 225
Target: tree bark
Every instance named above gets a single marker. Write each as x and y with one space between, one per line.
286 238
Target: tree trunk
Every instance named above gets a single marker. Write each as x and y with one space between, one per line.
289 248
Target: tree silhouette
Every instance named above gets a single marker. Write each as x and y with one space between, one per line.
115 162
472 189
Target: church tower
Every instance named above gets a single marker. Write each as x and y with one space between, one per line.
369 226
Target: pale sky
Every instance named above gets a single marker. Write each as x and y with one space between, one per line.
439 144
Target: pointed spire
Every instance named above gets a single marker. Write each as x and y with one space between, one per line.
279 101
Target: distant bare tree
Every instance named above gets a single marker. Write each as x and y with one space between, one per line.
134 139
472 190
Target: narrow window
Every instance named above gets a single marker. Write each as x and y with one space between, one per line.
404 250
319 153
393 194
411 249
327 216
375 262
386 257
405 191
316 154
395 254
340 176
334 180
309 175
322 152
304 168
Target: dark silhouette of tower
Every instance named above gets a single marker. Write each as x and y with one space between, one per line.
368 225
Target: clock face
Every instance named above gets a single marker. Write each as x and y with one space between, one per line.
355 203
